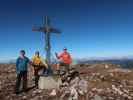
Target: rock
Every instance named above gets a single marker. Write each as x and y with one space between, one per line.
80 92
106 66
24 97
49 83
37 91
64 93
83 85
75 81
0 85
111 74
97 97
73 93
94 89
111 98
53 93
126 91
100 90
120 70
117 90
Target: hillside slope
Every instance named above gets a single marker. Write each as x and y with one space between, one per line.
107 81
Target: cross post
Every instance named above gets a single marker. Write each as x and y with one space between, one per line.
47 30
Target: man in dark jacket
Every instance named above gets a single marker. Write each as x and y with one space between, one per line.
21 70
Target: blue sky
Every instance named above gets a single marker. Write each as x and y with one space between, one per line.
90 28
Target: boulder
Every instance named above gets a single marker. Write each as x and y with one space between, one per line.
49 83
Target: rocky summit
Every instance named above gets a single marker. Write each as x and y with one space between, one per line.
83 82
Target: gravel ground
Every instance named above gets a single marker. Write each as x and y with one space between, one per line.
105 82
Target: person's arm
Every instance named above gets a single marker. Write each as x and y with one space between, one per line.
29 61
44 62
17 66
30 65
58 56
70 57
33 59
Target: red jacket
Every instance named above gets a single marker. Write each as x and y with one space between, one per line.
65 57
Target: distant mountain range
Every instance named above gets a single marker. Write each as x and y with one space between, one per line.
8 61
126 62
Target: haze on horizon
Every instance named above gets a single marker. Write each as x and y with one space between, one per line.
90 28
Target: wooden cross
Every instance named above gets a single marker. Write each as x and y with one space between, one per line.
47 30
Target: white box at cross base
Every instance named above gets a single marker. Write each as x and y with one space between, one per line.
48 83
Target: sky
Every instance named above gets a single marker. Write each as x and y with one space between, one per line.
90 28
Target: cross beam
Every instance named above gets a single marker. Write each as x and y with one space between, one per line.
47 30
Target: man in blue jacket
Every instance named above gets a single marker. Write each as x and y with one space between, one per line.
21 69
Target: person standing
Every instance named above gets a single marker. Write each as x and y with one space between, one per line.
38 64
21 70
65 60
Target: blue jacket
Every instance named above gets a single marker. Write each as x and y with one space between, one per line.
21 64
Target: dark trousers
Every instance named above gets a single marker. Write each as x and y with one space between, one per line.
22 76
66 66
37 68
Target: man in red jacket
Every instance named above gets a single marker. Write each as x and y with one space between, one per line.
65 60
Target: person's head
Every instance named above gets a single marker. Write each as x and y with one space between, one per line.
37 53
22 53
65 49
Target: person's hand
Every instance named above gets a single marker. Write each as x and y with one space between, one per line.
56 54
31 63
